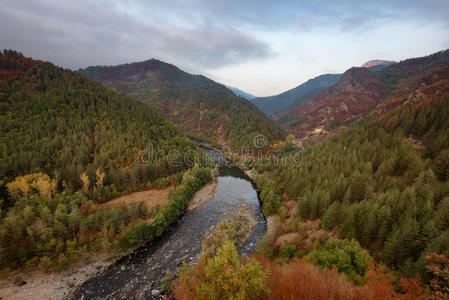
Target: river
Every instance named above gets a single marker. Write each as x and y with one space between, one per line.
135 275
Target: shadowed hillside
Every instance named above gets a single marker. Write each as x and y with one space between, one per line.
297 95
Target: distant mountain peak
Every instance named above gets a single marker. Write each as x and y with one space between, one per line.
241 93
378 62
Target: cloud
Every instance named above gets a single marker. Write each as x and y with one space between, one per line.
262 46
77 34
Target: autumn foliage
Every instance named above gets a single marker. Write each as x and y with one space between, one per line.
222 277
438 266
14 65
300 279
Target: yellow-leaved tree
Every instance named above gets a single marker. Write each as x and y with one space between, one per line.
100 177
27 185
86 183
289 139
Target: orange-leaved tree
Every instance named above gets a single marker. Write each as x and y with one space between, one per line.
301 280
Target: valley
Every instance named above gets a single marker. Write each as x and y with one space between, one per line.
136 275
142 181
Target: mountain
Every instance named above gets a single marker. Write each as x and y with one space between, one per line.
63 124
204 109
359 91
241 93
383 181
295 96
378 64
356 91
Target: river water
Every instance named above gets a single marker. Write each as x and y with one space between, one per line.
135 275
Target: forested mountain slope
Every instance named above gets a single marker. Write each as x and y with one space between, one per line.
200 106
63 124
68 144
359 91
383 182
293 97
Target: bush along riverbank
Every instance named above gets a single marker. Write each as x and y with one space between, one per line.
192 181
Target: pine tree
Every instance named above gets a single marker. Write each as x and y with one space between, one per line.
332 216
441 165
404 243
442 215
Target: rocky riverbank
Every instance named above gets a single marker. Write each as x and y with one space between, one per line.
203 196
38 285
237 225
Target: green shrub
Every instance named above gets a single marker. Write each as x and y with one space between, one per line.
287 251
347 256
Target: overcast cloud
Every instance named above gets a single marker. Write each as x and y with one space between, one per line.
262 47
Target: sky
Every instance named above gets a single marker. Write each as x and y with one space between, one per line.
263 47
